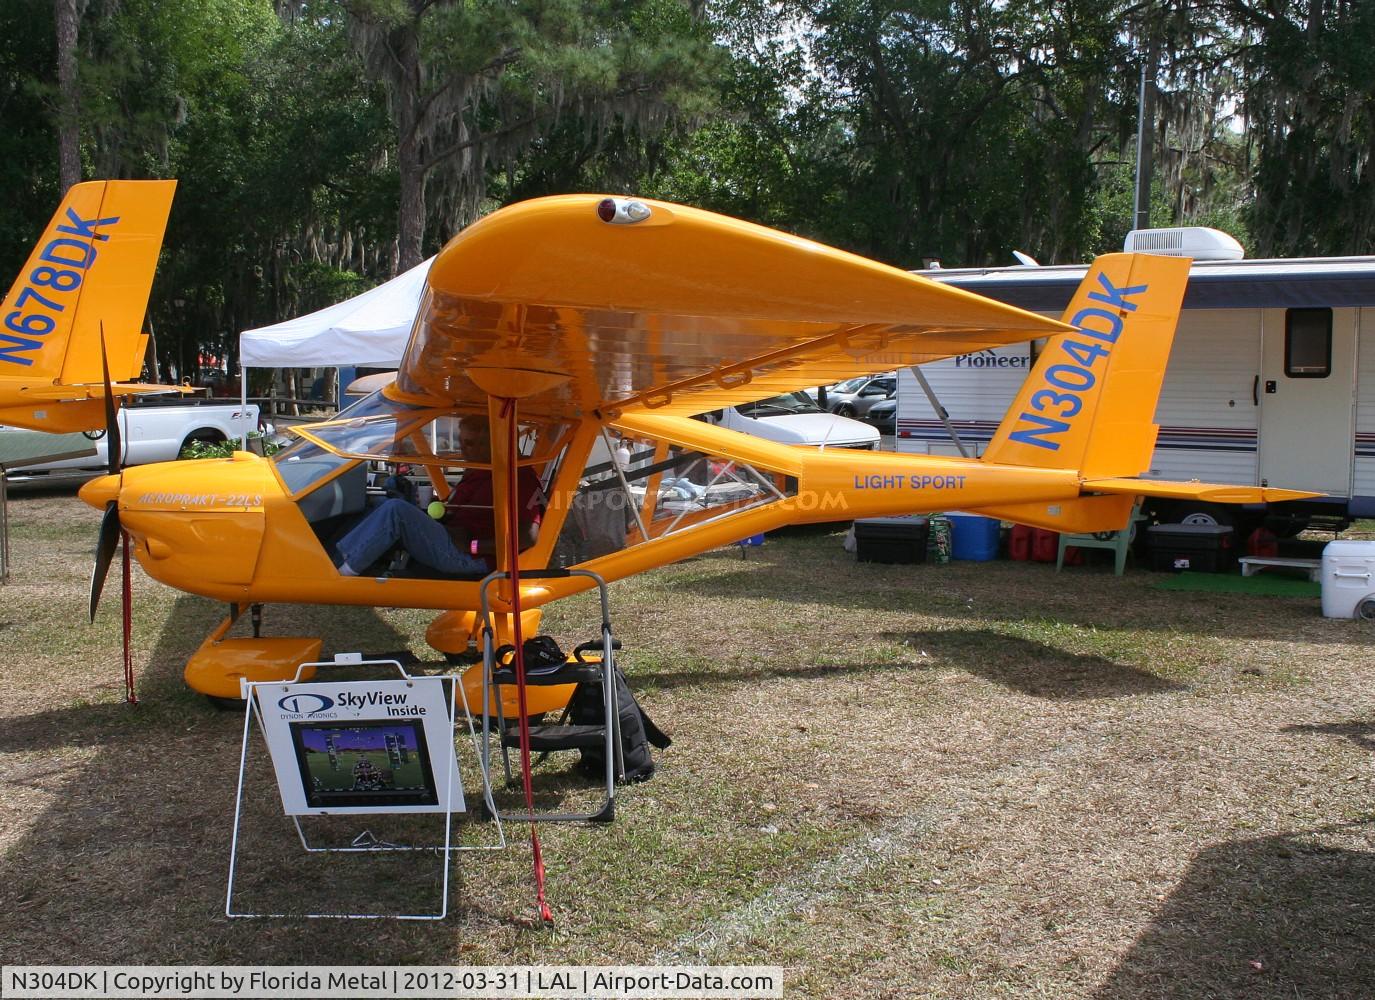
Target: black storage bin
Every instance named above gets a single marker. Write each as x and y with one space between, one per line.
1199 548
891 539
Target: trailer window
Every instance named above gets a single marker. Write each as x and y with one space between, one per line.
1308 343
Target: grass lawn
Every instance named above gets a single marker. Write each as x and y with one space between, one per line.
979 780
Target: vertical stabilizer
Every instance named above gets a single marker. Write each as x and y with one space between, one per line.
1125 313
92 269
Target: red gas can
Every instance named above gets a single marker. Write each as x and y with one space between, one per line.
1019 542
1262 543
1044 544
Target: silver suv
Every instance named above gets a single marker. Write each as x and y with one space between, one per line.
853 397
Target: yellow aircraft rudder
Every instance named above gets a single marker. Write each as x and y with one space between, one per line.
1065 416
92 269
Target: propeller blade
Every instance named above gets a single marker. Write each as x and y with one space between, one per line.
113 449
104 551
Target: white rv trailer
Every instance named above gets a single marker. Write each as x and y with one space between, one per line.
1271 382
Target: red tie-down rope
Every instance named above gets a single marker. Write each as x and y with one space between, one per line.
126 592
508 413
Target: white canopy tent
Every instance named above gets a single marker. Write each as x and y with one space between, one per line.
368 330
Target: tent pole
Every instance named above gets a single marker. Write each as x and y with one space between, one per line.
243 401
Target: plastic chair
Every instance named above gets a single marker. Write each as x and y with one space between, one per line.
1118 542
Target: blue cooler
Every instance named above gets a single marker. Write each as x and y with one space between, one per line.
973 537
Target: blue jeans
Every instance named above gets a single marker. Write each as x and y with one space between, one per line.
422 536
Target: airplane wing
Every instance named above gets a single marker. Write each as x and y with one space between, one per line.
624 306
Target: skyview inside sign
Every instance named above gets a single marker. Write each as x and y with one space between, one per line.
358 747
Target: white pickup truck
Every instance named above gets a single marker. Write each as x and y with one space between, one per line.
155 428
795 418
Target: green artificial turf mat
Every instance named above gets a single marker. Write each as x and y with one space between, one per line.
1265 582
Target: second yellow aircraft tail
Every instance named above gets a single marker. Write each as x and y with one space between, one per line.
88 278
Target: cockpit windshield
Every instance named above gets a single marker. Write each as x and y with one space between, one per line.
410 434
371 405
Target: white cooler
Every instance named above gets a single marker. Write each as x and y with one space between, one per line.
1348 580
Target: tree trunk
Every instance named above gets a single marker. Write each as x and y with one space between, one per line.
411 220
409 166
68 119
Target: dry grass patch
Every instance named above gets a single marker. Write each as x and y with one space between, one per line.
977 780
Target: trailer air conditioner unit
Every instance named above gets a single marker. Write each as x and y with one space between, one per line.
1197 242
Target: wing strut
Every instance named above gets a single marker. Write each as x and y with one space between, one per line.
941 411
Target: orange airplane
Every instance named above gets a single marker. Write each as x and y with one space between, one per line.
85 285
560 354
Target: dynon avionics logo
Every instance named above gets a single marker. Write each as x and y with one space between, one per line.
305 703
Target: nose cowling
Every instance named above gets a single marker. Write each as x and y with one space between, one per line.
98 492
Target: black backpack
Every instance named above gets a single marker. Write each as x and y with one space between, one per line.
587 707
542 655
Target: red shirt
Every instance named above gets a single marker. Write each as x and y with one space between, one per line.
470 505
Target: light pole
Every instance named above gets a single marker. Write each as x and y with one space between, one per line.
1145 105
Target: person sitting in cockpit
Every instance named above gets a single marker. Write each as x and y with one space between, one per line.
462 539
399 484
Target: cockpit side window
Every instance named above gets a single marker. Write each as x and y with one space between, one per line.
383 437
303 464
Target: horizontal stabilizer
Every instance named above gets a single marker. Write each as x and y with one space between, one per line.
1109 506
58 393
1210 492
65 409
